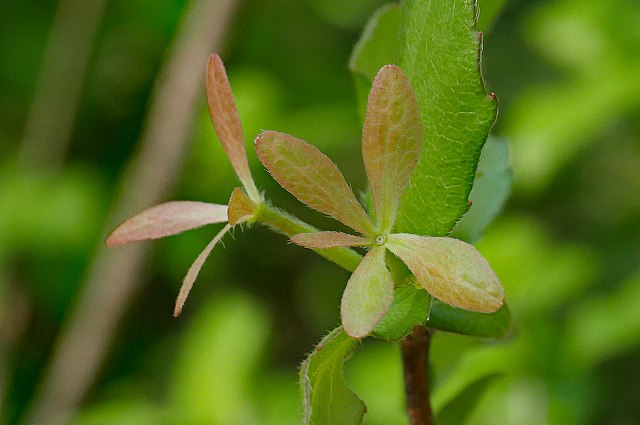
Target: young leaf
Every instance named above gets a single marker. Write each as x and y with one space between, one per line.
326 397
456 320
167 219
319 240
241 208
312 177
194 270
410 307
377 47
441 57
391 141
451 270
226 121
490 191
368 295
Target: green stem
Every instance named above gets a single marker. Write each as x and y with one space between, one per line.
289 225
415 346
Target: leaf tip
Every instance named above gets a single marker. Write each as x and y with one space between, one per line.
297 240
112 240
125 233
214 60
215 70
264 137
187 284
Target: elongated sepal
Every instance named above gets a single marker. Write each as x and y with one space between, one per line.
312 177
167 219
224 114
451 319
241 207
319 240
451 270
194 270
391 141
368 295
410 307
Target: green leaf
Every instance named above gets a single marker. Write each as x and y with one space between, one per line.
456 320
440 54
312 177
391 141
490 191
368 294
458 410
451 270
410 307
326 398
378 46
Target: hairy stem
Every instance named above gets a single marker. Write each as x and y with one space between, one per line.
415 351
415 346
289 225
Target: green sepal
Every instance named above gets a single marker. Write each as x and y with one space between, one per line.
410 307
326 398
456 320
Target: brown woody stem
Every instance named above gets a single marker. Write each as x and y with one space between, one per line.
415 351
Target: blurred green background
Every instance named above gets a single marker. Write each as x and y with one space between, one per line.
567 247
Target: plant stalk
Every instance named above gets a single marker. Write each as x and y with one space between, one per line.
289 225
415 351
415 346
